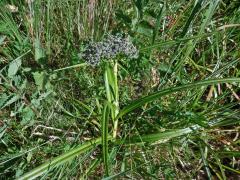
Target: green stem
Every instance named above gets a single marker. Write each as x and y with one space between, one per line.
71 67
116 100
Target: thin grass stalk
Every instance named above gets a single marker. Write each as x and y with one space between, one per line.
71 67
105 122
107 85
111 87
204 159
116 100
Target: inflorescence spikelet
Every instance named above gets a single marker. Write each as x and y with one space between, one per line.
109 49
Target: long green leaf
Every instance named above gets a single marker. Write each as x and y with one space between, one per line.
91 168
158 20
161 136
105 121
71 67
195 10
205 162
191 45
140 102
40 170
107 80
177 41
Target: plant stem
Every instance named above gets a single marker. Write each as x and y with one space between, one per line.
116 100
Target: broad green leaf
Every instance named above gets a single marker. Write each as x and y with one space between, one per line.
3 98
165 67
140 102
14 67
40 79
39 52
27 116
145 28
13 99
2 38
29 156
59 160
208 15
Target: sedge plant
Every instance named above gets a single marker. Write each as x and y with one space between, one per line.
113 90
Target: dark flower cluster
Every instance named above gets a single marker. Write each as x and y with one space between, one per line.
109 49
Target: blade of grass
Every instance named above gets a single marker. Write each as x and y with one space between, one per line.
228 168
206 166
158 20
229 153
191 45
195 10
2 38
111 86
140 102
167 135
177 41
123 172
224 68
150 138
107 80
216 172
105 122
40 170
71 67
82 105
91 168
116 99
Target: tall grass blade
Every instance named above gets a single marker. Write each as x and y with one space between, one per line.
195 10
158 20
71 67
140 102
206 166
108 80
191 44
150 138
105 121
161 137
59 160
176 42
91 168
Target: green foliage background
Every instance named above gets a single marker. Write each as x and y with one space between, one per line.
173 113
